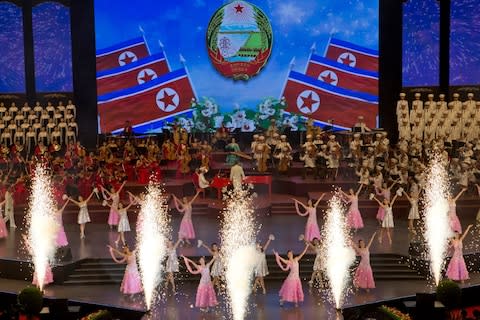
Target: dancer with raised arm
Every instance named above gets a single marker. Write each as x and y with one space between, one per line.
83 215
123 223
261 267
291 290
354 218
317 273
384 191
311 228
114 196
457 270
61 235
3 225
455 224
186 231
218 268
363 278
206 297
413 214
131 283
171 265
387 223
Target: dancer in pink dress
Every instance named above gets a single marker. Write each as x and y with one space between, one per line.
457 270
354 218
218 269
3 225
291 290
132 282
206 297
186 231
385 192
114 196
47 279
311 228
455 224
61 236
363 275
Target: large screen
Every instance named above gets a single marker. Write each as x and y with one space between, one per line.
153 63
421 43
53 47
464 42
12 56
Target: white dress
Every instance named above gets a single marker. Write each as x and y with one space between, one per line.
261 268
318 263
123 224
172 261
388 219
83 216
413 214
217 266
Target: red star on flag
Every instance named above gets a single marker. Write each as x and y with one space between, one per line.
238 8
147 77
168 100
328 78
308 101
347 60
127 59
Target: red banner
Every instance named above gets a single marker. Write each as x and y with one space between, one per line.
352 55
121 54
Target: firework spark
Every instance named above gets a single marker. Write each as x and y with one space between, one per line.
339 255
153 232
42 224
437 228
238 246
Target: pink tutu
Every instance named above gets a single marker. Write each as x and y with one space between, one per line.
48 277
61 237
291 290
131 282
113 217
354 219
3 228
380 214
455 223
364 277
312 231
186 229
206 296
457 270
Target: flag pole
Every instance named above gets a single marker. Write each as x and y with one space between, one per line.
184 63
290 67
164 54
145 40
312 51
328 44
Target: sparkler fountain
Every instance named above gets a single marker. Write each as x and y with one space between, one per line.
42 224
339 255
437 228
153 229
238 235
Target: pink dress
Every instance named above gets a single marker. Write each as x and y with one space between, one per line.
452 216
206 296
291 290
61 236
311 228
363 275
186 226
131 282
3 227
48 277
457 270
354 218
113 216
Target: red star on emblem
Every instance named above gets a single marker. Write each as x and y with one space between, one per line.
167 99
147 77
126 59
347 60
328 78
308 101
238 8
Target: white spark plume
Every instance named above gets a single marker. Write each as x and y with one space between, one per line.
238 236
437 227
339 255
42 224
153 231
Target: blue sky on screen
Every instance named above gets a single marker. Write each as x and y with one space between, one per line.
181 26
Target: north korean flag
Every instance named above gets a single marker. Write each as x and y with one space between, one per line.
342 76
131 74
160 98
321 101
121 54
352 55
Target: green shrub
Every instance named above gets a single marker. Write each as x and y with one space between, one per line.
449 293
30 301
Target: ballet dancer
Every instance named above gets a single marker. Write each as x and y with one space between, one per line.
114 196
291 290
387 222
217 267
457 270
3 225
311 228
206 297
261 267
9 206
171 265
385 192
354 218
131 282
363 278
413 214
317 274
186 231
61 236
123 223
83 215
455 224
